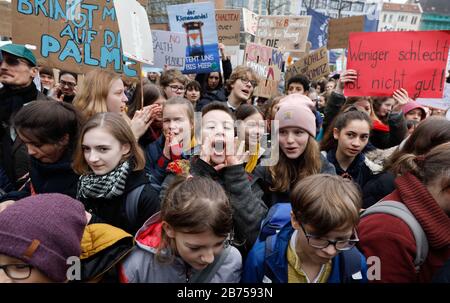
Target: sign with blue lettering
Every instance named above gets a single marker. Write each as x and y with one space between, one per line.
197 21
74 35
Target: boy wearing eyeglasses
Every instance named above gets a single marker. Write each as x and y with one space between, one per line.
318 244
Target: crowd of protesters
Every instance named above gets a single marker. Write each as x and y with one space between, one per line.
175 179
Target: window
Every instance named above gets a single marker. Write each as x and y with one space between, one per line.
321 3
384 18
334 4
414 20
358 6
346 5
391 17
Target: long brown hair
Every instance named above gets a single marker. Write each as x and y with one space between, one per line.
287 171
194 205
429 133
119 129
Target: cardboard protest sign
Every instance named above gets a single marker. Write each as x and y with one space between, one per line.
135 30
415 61
339 29
250 20
71 35
228 23
314 66
197 21
267 62
169 49
287 33
5 20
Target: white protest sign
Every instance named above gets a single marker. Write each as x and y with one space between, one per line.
169 49
134 30
250 20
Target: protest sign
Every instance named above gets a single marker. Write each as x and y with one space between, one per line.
71 35
5 20
233 51
169 49
197 21
314 66
287 33
443 104
228 23
415 61
339 29
267 62
135 30
250 20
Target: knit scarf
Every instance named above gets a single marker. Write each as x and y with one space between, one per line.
105 186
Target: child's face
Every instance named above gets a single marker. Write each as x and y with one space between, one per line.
198 250
242 89
253 128
352 138
311 254
213 80
45 153
321 102
386 107
293 141
174 89
192 94
295 88
102 151
116 99
219 127
176 121
20 272
415 115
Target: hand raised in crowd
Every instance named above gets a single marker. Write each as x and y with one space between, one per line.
172 146
143 118
347 76
234 152
401 98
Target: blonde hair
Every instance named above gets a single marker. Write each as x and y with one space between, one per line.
327 202
116 125
182 101
91 99
287 172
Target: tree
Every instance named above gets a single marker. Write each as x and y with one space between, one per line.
271 9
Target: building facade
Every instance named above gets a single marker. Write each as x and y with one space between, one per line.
400 17
436 14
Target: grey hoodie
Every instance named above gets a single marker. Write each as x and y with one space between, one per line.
141 265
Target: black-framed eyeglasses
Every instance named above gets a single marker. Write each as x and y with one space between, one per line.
246 81
17 271
69 84
175 88
340 245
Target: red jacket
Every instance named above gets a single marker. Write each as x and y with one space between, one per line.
392 241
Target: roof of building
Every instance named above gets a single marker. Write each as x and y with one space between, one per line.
406 8
440 7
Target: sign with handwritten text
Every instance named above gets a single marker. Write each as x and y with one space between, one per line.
415 61
287 33
314 66
250 20
169 49
74 35
267 62
197 21
228 23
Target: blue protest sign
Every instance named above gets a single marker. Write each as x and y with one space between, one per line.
197 21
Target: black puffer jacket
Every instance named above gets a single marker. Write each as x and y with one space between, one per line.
113 211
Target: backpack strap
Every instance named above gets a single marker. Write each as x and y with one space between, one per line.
269 244
400 210
207 274
350 266
132 202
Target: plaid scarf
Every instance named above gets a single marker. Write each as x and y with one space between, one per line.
106 186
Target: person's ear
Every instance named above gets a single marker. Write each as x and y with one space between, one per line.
295 224
126 148
34 71
65 140
168 229
335 133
